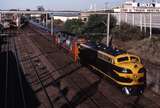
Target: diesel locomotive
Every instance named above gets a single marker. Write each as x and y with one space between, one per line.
125 69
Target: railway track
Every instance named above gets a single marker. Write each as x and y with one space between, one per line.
85 82
97 98
78 76
32 61
36 68
19 73
11 79
68 103
6 49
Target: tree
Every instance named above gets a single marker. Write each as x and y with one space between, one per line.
97 23
28 9
97 26
74 26
58 22
93 29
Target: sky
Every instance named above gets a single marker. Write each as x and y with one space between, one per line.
57 4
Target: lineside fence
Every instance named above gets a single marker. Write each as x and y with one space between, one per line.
142 20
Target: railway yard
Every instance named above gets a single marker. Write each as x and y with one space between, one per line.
40 74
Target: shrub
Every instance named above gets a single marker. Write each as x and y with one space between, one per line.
127 32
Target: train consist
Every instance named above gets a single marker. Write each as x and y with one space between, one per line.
123 68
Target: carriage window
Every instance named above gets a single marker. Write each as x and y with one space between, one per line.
123 59
134 59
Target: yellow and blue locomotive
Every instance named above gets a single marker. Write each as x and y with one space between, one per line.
121 67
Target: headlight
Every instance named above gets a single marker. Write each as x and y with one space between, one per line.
126 90
126 71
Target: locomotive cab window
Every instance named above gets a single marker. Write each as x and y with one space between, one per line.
123 59
134 59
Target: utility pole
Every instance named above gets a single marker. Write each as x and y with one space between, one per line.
95 8
144 23
46 19
52 32
108 27
119 19
120 15
0 17
18 20
141 22
126 19
108 24
133 18
106 6
150 17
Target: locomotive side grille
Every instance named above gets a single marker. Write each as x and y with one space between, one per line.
142 79
122 79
